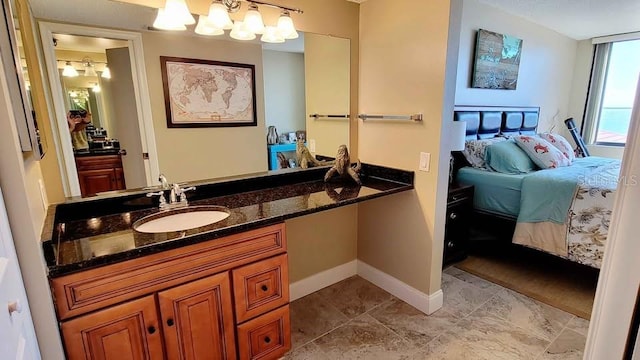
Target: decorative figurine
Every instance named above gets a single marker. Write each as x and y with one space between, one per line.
304 157
343 166
272 135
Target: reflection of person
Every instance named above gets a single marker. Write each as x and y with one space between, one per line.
78 121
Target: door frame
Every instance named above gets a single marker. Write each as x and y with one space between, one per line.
620 272
64 147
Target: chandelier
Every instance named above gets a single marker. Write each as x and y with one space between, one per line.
176 16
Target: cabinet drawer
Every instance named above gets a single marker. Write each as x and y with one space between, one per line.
265 337
93 289
260 287
99 162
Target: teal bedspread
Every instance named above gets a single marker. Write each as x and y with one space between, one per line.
547 195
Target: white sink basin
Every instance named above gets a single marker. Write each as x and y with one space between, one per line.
181 219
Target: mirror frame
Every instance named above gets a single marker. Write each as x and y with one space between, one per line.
23 109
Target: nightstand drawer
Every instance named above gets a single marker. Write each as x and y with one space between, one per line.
260 287
458 216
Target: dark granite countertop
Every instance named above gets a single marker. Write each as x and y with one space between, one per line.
81 235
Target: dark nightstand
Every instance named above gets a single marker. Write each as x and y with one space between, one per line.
456 232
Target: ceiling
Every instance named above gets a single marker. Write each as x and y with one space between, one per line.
86 43
577 19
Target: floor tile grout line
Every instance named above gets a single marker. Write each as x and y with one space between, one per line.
552 341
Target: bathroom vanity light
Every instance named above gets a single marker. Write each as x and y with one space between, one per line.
69 70
172 17
88 67
106 73
96 88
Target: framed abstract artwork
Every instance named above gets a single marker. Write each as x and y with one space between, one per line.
205 93
497 60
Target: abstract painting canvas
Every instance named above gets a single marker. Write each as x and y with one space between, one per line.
497 61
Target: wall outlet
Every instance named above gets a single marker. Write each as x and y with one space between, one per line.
425 161
312 145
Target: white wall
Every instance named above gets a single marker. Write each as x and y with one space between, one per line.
546 66
284 90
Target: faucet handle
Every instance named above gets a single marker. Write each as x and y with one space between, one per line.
163 201
183 197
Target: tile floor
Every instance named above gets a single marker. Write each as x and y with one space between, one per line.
354 319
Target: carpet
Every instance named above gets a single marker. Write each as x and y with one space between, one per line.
554 281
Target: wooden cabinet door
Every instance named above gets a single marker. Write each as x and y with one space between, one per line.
197 319
120 184
128 331
95 181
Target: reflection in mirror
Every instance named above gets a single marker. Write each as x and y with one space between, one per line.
293 80
15 66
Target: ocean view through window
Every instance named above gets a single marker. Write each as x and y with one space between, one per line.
612 92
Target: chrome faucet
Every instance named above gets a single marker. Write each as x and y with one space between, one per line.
163 181
177 197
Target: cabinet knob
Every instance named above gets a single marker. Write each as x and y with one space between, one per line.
170 322
151 329
264 287
450 244
267 339
15 307
453 216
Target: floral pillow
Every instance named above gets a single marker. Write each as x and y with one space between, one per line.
474 150
543 154
561 144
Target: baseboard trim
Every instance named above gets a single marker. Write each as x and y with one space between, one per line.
322 279
428 304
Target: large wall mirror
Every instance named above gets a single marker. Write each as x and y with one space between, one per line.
308 75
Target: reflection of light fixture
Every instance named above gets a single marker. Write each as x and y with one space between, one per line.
69 70
88 67
253 20
73 94
165 21
272 35
174 16
219 19
286 27
106 73
240 32
96 88
219 16
205 27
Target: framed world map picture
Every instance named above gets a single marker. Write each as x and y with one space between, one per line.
497 61
205 93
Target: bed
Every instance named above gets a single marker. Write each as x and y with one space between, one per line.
563 211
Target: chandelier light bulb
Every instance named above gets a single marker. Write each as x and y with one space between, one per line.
253 20
96 88
106 73
240 32
179 10
205 27
69 70
286 27
219 16
272 35
167 21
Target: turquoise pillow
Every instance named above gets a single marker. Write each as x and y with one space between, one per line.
508 158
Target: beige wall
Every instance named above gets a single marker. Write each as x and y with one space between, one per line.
546 66
402 71
327 91
204 153
321 241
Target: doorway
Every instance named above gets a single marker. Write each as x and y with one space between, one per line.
105 138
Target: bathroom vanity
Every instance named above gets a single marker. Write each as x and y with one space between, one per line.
219 290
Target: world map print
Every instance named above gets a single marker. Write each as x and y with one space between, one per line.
206 93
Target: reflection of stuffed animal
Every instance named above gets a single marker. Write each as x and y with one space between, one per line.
304 157
284 163
347 193
343 166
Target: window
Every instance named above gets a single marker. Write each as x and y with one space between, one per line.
614 78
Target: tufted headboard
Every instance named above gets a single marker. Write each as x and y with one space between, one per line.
485 122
